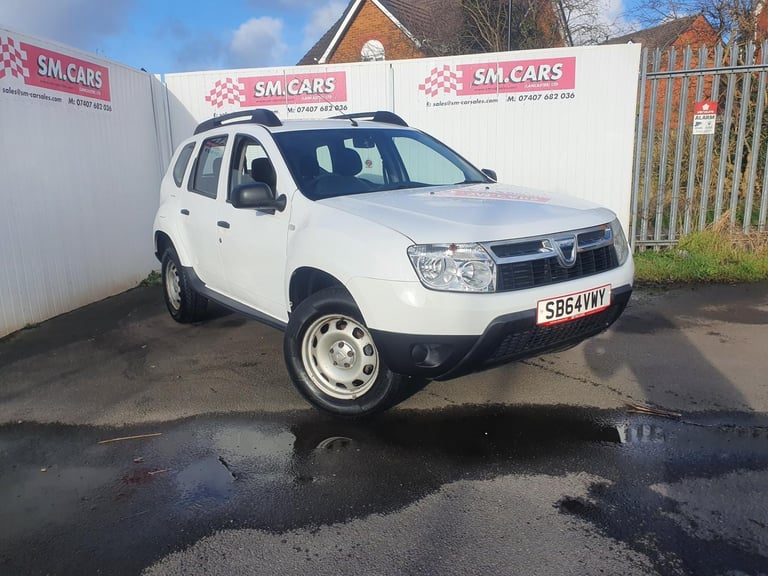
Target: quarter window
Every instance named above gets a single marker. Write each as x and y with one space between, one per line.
205 179
181 163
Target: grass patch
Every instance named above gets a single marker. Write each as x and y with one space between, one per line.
714 255
152 280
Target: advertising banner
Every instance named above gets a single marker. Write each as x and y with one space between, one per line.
276 90
297 92
32 71
505 77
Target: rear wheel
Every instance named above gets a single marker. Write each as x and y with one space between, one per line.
333 360
183 303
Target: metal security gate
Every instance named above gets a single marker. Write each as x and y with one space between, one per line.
683 181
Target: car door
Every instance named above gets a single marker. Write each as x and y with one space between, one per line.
253 243
199 209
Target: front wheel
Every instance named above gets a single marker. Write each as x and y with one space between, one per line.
333 360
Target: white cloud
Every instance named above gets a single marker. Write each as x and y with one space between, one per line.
321 20
617 13
592 21
613 12
257 42
79 23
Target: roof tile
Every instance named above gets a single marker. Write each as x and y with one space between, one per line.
662 36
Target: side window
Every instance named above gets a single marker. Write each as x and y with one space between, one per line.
426 166
208 166
250 163
181 163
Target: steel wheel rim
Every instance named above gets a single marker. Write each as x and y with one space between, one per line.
340 357
172 286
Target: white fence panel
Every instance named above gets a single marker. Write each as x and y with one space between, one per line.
80 165
560 120
84 143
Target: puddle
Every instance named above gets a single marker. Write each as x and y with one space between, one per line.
281 472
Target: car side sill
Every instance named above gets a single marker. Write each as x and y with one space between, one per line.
200 287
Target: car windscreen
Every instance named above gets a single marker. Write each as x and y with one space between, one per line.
356 160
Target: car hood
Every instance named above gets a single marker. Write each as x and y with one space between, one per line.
472 212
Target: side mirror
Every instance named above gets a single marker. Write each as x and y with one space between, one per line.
490 173
257 196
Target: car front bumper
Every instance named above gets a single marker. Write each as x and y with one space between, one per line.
507 338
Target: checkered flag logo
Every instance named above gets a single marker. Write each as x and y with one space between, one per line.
226 91
441 80
13 60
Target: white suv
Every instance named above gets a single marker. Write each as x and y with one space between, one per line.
382 254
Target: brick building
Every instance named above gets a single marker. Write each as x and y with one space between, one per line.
693 31
403 29
383 29
761 22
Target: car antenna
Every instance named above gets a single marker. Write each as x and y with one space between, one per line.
354 123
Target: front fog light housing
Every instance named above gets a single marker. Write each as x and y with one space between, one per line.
454 267
619 242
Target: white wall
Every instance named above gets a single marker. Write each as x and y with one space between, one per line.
576 141
570 130
80 164
84 143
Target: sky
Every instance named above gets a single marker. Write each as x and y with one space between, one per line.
165 36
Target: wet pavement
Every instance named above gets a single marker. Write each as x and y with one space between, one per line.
72 505
120 455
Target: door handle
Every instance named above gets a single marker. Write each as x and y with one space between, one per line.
222 224
185 211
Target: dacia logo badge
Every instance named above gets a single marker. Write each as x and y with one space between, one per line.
567 249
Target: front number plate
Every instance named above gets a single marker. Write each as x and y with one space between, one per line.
572 306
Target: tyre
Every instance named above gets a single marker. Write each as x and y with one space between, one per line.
333 360
184 304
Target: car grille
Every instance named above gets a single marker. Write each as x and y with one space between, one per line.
544 260
522 343
545 271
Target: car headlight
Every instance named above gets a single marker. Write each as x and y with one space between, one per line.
619 241
454 267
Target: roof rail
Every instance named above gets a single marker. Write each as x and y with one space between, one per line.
381 116
253 116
